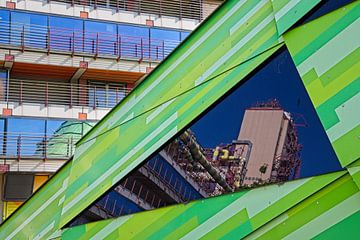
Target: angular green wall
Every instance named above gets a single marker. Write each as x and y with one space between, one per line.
226 48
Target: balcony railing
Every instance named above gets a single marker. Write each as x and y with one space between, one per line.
83 43
51 93
37 146
189 9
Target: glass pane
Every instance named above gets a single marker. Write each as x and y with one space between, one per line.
2 137
3 81
62 136
4 27
163 42
133 41
105 95
29 29
184 35
66 34
25 137
100 38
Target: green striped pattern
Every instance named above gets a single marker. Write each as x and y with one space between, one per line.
231 216
288 12
327 55
354 170
316 214
228 46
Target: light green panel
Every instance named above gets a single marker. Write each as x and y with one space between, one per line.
318 213
288 12
230 216
326 52
354 170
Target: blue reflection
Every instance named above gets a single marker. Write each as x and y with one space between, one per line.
4 27
134 41
29 30
87 36
66 34
100 38
163 42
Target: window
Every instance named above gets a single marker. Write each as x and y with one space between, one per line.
184 35
100 38
29 30
18 187
4 27
3 84
25 137
105 95
163 42
66 34
134 41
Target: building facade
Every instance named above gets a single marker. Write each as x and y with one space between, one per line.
64 65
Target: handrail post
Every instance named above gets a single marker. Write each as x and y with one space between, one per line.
180 10
117 95
97 45
163 49
71 95
141 49
45 148
48 40
160 13
119 46
21 93
22 39
46 94
94 105
19 148
73 44
149 49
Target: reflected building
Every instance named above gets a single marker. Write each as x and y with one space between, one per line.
275 153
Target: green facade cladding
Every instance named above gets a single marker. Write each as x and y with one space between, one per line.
225 49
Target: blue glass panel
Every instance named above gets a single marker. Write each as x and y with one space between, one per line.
3 84
134 41
100 38
66 34
184 35
105 95
4 27
25 137
163 42
29 29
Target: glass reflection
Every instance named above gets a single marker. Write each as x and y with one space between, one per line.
29 30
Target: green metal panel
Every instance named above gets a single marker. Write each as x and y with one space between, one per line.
288 12
219 54
326 53
230 216
354 170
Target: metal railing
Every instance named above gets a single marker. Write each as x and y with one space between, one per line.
189 9
84 43
55 93
37 146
